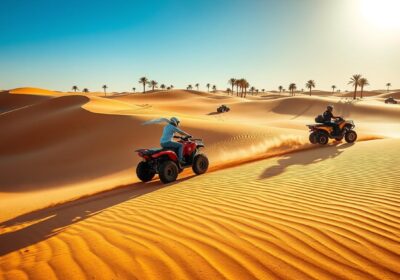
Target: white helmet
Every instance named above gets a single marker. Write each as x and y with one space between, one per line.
174 121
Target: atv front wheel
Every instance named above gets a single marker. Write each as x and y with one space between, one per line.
168 171
144 172
323 139
200 164
313 138
351 136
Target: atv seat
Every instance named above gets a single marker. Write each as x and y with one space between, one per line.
316 125
149 152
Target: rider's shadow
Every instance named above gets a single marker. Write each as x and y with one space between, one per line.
313 156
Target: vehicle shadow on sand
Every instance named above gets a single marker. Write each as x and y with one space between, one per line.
45 223
313 156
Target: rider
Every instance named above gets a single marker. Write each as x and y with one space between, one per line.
168 133
328 116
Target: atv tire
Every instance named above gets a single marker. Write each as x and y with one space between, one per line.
144 172
313 138
200 164
168 171
323 139
350 136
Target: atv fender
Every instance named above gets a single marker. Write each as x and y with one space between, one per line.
170 154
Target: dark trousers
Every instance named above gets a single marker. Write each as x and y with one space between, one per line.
335 127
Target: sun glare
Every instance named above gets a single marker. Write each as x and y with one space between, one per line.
382 13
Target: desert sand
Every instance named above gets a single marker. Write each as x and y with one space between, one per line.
272 205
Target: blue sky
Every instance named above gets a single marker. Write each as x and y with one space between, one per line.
57 44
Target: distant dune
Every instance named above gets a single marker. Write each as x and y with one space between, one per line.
272 206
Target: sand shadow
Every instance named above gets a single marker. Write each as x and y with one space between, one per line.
48 222
299 158
214 113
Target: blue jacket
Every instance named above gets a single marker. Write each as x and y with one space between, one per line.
168 133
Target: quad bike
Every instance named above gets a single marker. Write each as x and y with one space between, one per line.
390 100
321 133
223 109
165 162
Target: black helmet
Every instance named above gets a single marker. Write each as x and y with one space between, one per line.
329 107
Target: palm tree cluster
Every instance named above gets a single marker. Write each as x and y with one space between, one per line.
241 87
152 84
358 81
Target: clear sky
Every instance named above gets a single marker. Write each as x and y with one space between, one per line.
56 44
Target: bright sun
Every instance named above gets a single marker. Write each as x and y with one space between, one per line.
382 13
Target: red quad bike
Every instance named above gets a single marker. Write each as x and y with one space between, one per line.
165 163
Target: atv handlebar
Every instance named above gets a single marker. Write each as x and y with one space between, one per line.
187 138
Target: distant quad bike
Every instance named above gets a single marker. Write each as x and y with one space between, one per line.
223 109
390 100
165 163
321 133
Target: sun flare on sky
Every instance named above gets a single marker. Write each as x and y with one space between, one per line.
382 13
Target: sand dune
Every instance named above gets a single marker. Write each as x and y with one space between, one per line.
298 216
394 94
272 206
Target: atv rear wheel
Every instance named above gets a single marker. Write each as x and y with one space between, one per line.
313 138
200 164
350 136
168 171
323 139
145 172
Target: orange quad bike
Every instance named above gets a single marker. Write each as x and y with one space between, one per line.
321 133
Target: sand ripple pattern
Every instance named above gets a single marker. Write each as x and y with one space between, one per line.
329 213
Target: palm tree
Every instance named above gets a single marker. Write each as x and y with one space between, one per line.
85 90
75 88
252 90
355 81
208 87
197 86
232 82
292 88
162 86
363 82
153 84
134 89
237 84
388 85
333 88
105 89
246 86
214 88
310 84
143 81
189 87
280 89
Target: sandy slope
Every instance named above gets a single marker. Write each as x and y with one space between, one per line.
330 213
325 213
